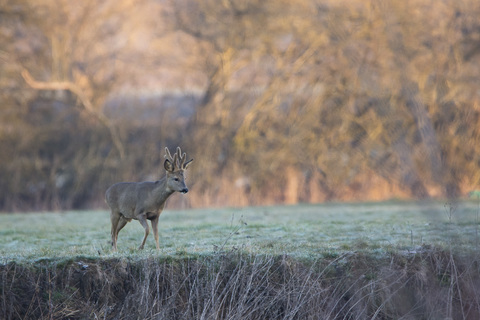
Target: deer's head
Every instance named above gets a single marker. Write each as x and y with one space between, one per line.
175 167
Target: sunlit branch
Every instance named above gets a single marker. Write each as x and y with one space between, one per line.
87 104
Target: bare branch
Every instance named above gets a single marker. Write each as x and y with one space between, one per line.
87 104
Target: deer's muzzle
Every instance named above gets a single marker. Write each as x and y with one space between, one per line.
185 190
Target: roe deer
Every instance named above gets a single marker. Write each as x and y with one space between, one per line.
146 200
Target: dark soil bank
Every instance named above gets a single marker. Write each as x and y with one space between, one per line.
429 284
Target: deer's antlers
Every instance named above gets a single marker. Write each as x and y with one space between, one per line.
178 160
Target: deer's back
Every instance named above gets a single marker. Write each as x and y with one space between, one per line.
122 197
126 196
120 194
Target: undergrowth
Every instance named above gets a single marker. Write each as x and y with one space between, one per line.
428 284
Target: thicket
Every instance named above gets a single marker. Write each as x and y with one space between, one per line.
427 284
277 101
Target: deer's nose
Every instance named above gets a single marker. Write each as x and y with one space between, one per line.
184 190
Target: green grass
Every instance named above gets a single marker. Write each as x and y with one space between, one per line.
301 231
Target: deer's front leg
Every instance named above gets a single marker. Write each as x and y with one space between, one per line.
142 218
155 231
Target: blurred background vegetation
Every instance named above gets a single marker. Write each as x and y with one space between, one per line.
277 101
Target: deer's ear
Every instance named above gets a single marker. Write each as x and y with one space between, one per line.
168 165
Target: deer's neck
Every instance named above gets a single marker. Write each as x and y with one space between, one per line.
161 190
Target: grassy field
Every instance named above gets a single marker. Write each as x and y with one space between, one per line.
391 260
301 231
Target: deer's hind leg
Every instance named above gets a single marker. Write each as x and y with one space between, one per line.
121 223
115 218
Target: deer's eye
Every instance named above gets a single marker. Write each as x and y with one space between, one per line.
176 179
